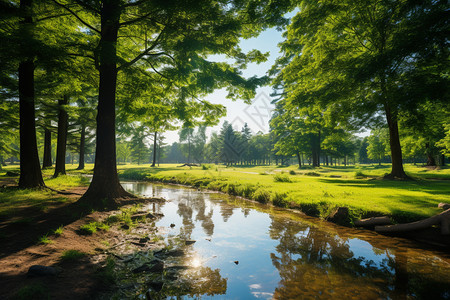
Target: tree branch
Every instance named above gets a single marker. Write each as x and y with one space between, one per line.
78 17
142 54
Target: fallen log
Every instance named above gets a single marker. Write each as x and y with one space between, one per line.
442 219
444 206
373 221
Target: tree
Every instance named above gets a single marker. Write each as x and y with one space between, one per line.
186 135
63 119
376 149
176 38
363 56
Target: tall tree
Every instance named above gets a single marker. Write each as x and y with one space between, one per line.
30 169
363 56
63 119
176 38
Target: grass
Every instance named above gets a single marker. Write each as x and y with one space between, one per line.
32 291
317 191
92 227
58 231
45 240
72 255
313 190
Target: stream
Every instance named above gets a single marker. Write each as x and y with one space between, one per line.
244 250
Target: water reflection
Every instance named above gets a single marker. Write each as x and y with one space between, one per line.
246 250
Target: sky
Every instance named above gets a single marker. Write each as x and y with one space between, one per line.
257 115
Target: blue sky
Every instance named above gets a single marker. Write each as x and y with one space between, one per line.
256 115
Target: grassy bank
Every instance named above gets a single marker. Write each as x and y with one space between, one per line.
314 191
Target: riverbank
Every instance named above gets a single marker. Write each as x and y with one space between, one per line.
316 192
86 268
52 248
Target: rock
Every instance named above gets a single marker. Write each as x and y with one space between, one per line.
151 216
155 266
208 239
156 286
175 253
444 206
178 268
339 215
38 270
138 244
158 266
12 174
172 225
138 216
189 242
144 240
236 262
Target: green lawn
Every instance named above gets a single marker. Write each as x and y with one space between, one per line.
315 191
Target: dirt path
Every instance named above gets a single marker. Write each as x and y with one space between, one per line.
76 278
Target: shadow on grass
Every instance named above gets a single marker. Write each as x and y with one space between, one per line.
80 279
433 187
27 222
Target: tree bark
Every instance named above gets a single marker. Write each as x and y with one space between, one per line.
154 149
82 147
299 159
47 161
394 141
61 144
30 169
105 188
431 161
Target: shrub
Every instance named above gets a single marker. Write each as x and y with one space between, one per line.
360 174
292 172
261 195
279 199
246 190
312 174
281 178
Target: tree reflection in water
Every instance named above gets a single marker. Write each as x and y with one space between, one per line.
313 263
287 256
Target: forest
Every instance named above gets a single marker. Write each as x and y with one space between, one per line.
90 91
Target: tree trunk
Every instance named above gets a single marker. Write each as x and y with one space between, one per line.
47 161
82 147
154 150
159 152
299 159
394 141
60 165
431 161
30 169
105 187
189 150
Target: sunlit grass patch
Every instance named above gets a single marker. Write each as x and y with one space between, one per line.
67 181
45 240
92 227
58 231
321 188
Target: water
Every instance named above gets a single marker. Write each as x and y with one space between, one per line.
244 250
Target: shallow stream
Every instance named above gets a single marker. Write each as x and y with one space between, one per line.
244 250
